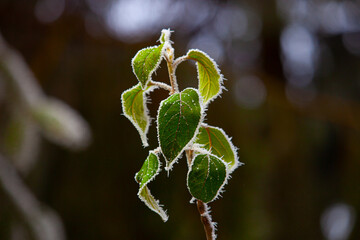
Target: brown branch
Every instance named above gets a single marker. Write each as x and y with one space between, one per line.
206 220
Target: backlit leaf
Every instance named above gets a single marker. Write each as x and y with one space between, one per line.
178 121
145 62
134 108
206 177
218 143
209 76
147 173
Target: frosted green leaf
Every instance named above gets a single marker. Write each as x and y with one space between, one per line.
206 177
148 170
209 76
145 62
218 143
178 121
134 108
147 173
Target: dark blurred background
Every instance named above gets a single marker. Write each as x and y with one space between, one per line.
292 106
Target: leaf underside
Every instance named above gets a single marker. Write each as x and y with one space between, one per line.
215 140
178 119
208 75
146 62
152 203
206 177
133 103
147 173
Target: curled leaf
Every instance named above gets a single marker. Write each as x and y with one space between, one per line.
147 173
134 108
209 76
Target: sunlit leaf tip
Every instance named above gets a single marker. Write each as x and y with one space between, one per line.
134 108
145 62
209 76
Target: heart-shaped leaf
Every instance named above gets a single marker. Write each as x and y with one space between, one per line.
178 121
209 76
145 62
147 173
207 175
218 143
134 108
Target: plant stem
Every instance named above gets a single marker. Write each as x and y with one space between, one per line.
169 57
161 85
189 156
202 207
172 77
179 60
206 220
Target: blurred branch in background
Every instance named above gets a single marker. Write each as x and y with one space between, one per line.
31 112
53 118
41 222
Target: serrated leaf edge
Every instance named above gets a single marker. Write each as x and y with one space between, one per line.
169 167
146 112
155 174
162 212
221 79
156 65
232 146
221 188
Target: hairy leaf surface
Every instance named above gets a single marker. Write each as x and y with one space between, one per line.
209 76
147 173
218 143
206 177
134 108
178 120
145 62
